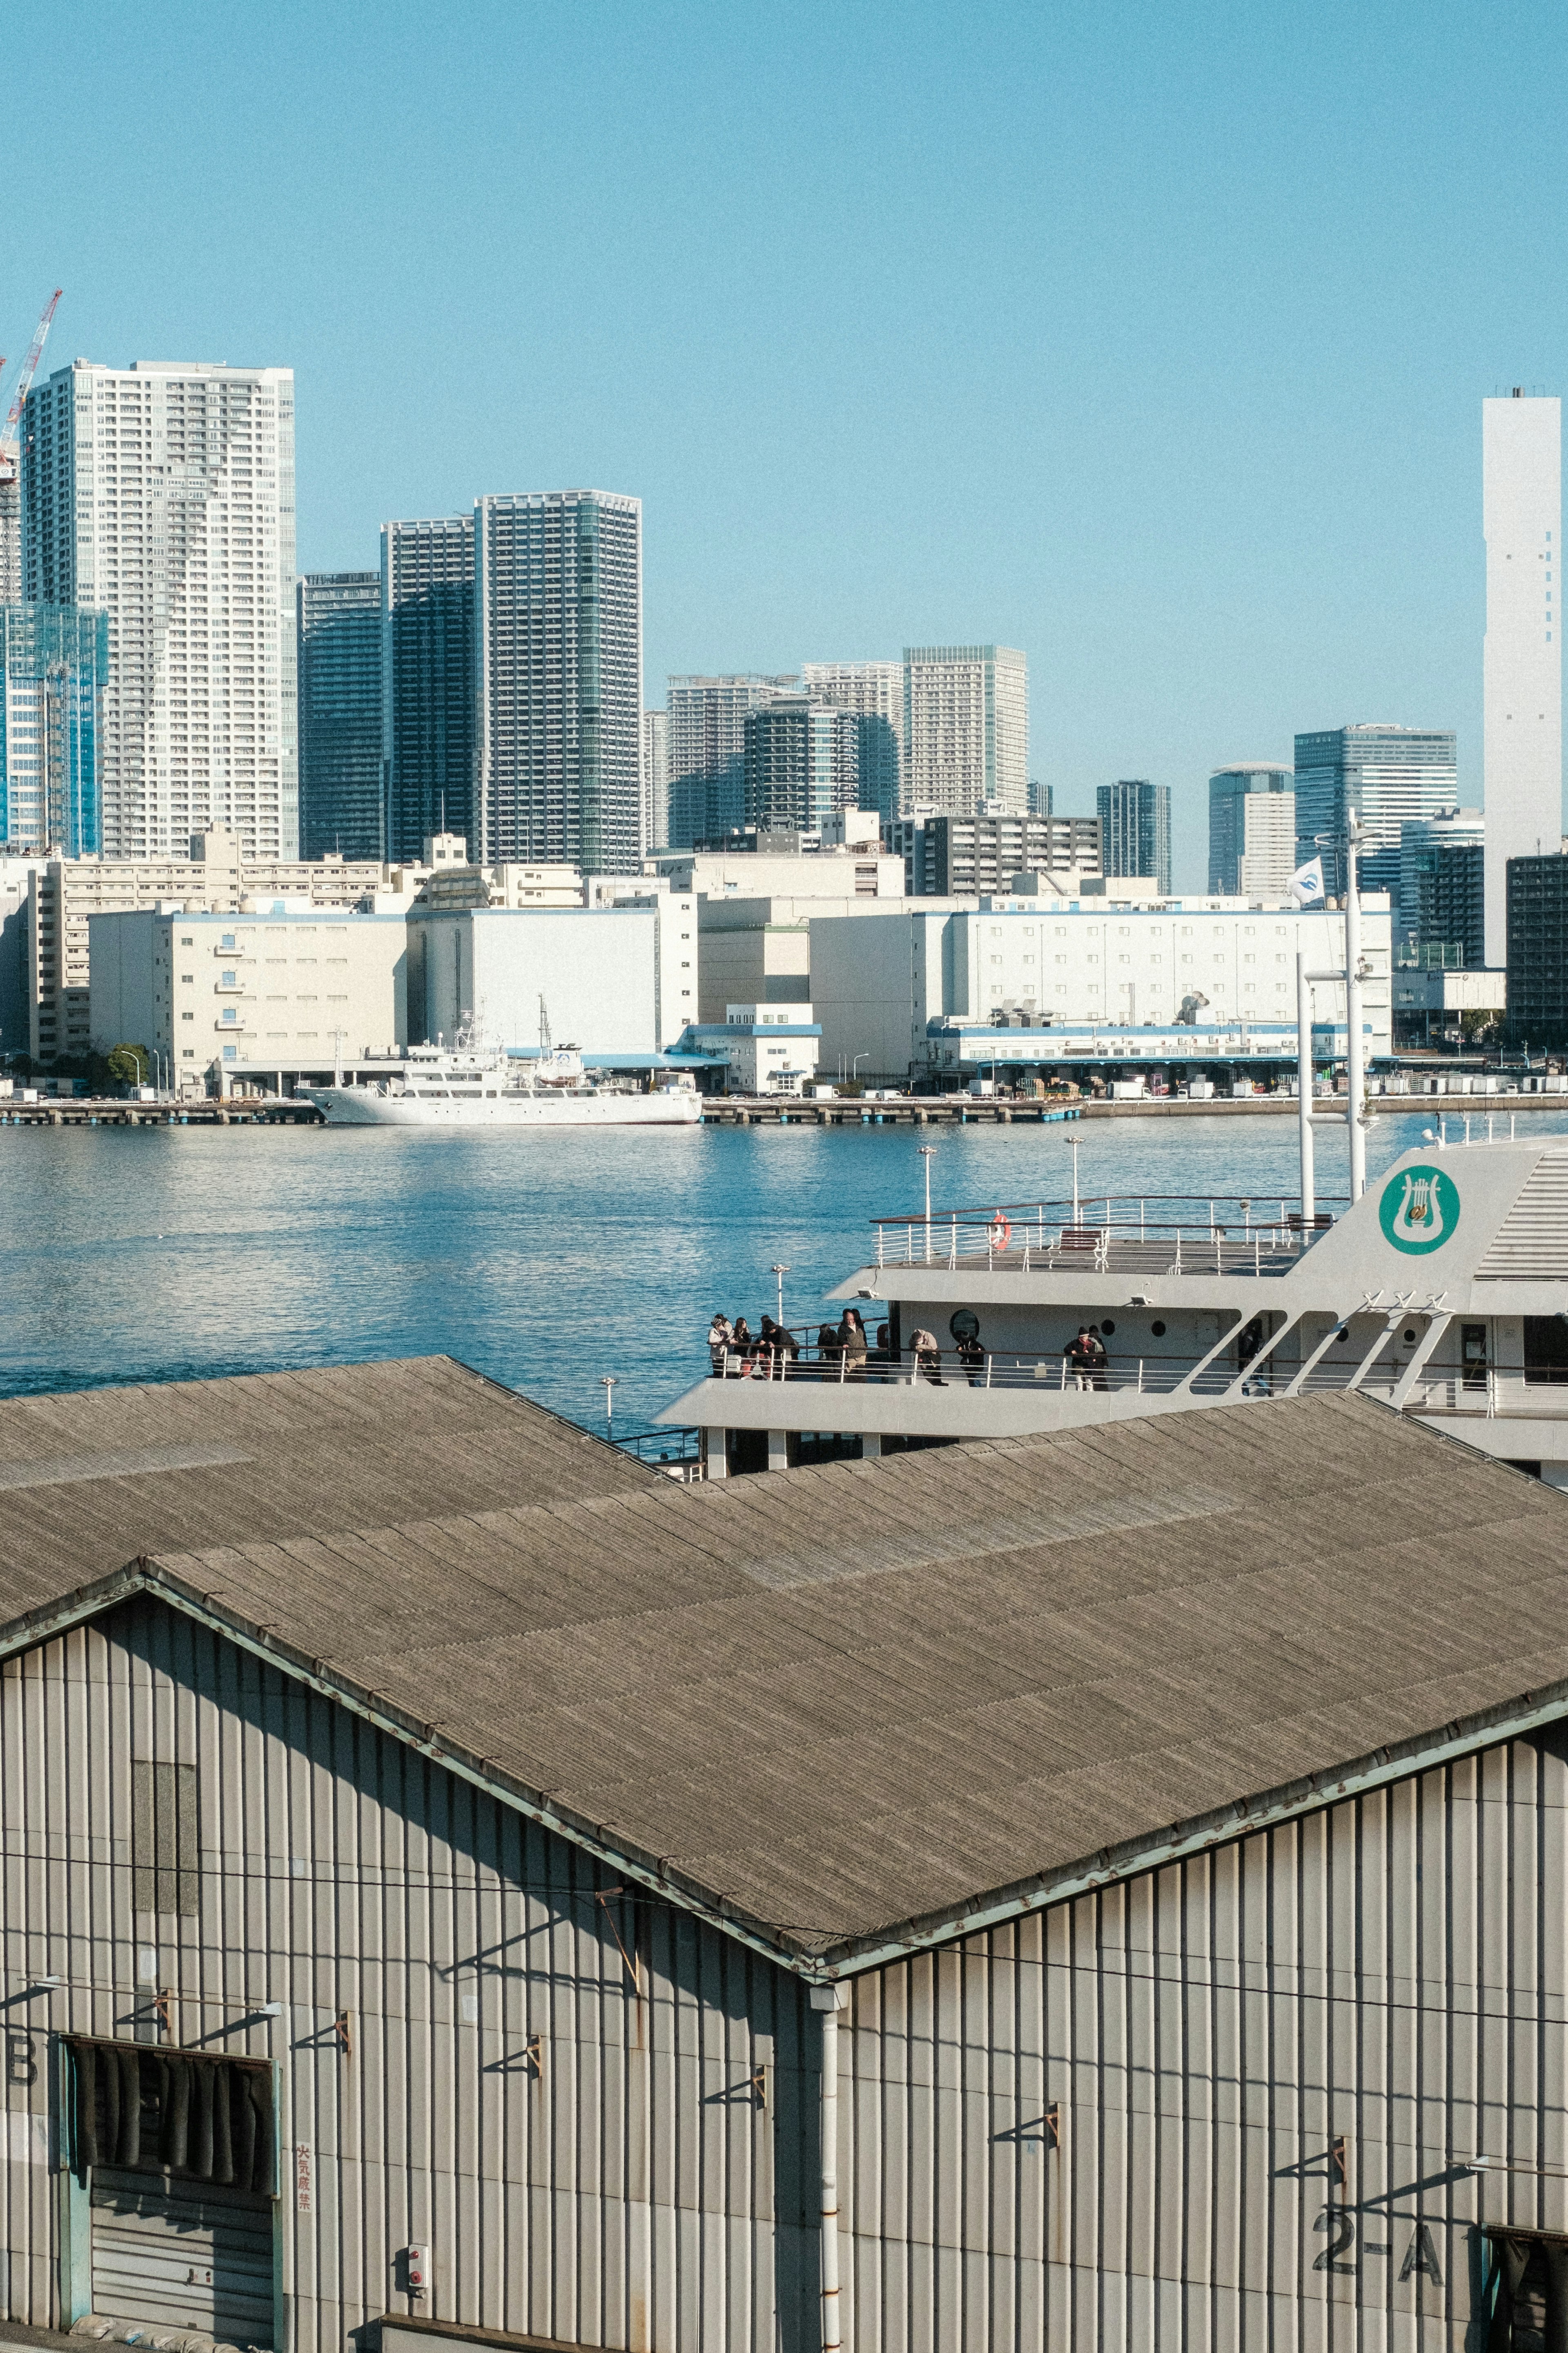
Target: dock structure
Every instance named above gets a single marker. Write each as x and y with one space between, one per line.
82 1110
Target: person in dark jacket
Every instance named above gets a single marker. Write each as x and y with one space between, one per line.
852 1338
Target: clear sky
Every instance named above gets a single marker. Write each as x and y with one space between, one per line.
1150 338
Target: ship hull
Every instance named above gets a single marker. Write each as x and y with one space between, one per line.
359 1107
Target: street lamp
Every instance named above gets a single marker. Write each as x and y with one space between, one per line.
607 1382
926 1150
780 1272
1073 1142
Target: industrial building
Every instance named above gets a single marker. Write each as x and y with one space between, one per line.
1095 1892
617 980
1043 982
259 1000
761 1050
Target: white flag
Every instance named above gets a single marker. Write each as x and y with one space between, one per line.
1307 882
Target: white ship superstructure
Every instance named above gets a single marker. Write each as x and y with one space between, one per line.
1443 1291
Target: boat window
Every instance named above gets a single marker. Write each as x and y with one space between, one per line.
1546 1350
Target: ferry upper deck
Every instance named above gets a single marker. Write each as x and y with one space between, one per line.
1443 1292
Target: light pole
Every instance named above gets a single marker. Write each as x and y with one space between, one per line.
855 1065
1072 1141
926 1151
779 1273
607 1382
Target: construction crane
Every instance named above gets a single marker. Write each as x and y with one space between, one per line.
10 436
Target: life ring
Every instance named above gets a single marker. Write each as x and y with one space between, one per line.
999 1233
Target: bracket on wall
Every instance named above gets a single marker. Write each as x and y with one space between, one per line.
343 2027
1054 2124
601 1898
1339 2163
160 2006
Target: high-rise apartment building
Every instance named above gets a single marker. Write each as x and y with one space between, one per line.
427 681
558 685
1537 930
708 752
1135 828
655 781
1387 775
341 804
163 495
1039 798
1522 469
874 690
1442 891
54 665
1252 829
966 728
802 765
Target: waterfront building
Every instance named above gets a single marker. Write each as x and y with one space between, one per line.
1442 890
341 796
1387 775
214 874
1446 1005
874 691
1135 828
427 681
1168 980
558 686
1521 460
966 729
163 496
707 739
617 980
655 781
958 857
723 1952
1252 829
256 999
54 667
802 765
765 1049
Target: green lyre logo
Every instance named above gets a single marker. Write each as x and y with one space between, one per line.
1419 1210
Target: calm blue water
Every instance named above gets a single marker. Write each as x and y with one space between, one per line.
546 1261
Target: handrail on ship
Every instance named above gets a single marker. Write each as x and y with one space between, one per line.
1145 1233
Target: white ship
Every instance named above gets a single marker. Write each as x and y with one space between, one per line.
1442 1291
466 1086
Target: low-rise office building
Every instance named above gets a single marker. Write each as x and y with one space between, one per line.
1443 1005
762 1050
842 860
251 1001
883 989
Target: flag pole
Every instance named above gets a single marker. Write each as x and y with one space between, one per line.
1304 1089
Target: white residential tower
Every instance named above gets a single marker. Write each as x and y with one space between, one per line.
1521 463
163 494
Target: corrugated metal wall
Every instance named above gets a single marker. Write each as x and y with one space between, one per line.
1390 1970
587 2155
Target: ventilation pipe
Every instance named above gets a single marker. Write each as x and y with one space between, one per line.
830 2000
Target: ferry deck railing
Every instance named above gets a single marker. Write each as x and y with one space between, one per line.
1159 1234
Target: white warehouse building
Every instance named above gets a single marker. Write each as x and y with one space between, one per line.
611 980
1175 978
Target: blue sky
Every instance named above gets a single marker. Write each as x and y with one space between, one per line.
1150 339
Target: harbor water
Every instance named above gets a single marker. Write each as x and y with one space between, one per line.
548 1260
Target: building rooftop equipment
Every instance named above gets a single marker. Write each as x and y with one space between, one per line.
845 1711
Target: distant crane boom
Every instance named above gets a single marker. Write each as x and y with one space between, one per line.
9 437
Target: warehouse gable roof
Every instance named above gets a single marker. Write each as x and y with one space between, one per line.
846 1708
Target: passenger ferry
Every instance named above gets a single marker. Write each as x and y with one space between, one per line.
1442 1291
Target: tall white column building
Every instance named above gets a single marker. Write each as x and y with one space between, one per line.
874 690
1521 465
966 729
163 494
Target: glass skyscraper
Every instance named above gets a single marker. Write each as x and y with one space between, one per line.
558 685
1135 828
342 804
1387 775
54 667
427 681
1252 831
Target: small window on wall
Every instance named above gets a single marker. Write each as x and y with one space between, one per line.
164 1861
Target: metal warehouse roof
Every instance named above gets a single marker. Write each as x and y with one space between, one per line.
92 1479
850 1707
